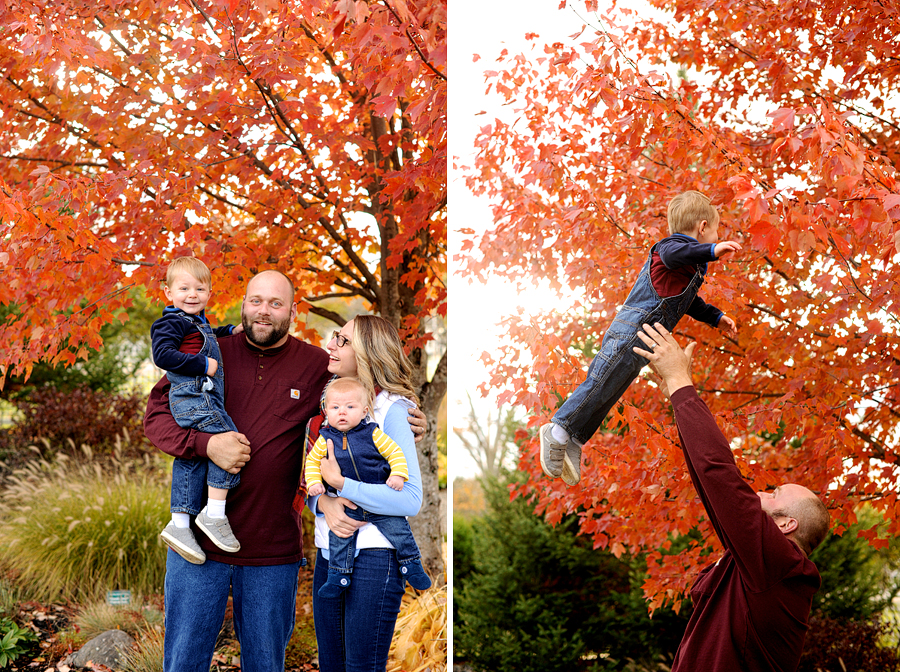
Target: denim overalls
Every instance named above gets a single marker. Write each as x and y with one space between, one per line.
368 466
199 403
616 366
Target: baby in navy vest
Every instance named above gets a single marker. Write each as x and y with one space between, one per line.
367 454
197 401
665 291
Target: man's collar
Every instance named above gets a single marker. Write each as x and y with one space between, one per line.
267 352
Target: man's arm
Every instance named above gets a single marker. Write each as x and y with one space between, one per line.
762 552
229 450
417 422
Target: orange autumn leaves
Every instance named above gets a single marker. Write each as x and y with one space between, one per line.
801 157
254 134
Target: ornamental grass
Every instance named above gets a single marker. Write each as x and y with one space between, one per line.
99 616
74 530
420 636
147 654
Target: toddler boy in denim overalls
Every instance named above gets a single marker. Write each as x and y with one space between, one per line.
665 291
197 401
364 451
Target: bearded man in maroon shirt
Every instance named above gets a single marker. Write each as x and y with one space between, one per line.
751 608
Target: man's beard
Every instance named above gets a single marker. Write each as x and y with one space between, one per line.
275 334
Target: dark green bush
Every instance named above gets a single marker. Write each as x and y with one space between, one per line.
540 598
463 557
858 580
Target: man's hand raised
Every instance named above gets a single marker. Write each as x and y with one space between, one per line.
671 363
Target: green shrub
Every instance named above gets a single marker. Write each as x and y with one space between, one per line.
463 557
858 580
14 641
540 598
75 531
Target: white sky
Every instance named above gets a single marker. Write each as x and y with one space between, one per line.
484 28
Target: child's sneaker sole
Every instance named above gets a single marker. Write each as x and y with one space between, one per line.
178 541
571 471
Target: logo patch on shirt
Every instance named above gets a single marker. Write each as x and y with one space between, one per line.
295 394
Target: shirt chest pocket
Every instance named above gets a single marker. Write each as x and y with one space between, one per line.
294 401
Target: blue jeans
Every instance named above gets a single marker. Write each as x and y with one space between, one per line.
196 596
342 550
616 366
199 403
354 631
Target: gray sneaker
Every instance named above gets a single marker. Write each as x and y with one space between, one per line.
219 532
571 471
182 541
552 452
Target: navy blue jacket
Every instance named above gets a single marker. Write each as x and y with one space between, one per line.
168 333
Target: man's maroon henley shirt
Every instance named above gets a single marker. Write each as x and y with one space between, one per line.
751 608
270 395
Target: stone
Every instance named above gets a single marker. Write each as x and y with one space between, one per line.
107 649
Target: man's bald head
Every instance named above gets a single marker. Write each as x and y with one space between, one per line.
799 513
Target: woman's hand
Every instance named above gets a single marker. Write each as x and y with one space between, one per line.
418 423
338 521
331 470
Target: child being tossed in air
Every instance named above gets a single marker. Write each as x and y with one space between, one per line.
665 291
197 401
364 451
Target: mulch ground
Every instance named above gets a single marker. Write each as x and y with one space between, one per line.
52 622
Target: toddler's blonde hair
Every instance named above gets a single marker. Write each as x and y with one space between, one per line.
339 385
191 265
688 209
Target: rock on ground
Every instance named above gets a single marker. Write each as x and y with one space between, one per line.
105 649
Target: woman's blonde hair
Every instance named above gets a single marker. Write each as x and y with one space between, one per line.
380 360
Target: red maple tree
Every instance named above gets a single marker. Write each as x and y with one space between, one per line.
307 136
784 114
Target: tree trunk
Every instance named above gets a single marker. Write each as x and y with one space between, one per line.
428 527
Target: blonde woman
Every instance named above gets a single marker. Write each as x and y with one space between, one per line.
355 630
